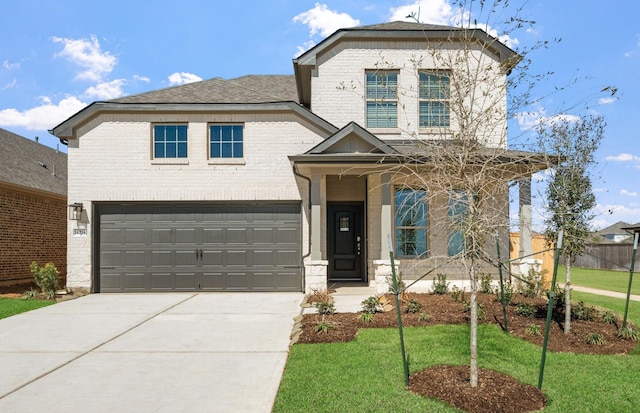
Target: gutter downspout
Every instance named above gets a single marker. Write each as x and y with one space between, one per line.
296 173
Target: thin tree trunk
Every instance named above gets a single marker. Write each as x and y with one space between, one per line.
473 362
567 298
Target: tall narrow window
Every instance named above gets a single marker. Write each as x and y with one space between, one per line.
226 141
434 99
410 222
169 141
458 209
382 99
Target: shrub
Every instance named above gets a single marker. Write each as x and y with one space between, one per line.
533 330
323 327
325 307
558 300
609 317
525 310
481 311
423 316
457 294
628 333
46 277
31 293
366 317
371 305
440 286
413 306
595 339
583 312
508 291
485 283
401 284
531 286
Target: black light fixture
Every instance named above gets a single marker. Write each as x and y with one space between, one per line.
75 211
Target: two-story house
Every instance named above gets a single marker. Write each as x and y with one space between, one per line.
280 183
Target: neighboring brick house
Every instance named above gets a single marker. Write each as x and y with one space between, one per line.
33 207
274 183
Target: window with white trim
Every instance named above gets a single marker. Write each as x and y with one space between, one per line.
435 93
382 99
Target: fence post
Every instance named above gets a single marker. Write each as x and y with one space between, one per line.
633 264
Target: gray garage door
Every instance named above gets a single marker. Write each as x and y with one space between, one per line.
144 247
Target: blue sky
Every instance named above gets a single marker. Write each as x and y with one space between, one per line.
57 57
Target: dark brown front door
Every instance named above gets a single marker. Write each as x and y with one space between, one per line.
345 241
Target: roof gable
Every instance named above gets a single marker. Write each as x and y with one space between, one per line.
29 164
351 139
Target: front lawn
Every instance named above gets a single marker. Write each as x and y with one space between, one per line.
13 306
601 279
365 375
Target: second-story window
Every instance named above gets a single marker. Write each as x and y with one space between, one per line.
434 99
169 141
382 99
225 141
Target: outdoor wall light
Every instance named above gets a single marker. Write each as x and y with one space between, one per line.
75 211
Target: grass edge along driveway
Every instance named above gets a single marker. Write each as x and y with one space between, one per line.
13 306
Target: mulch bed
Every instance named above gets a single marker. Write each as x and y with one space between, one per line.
496 392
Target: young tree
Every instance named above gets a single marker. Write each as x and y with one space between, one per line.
570 198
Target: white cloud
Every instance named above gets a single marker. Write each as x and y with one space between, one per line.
106 90
324 21
607 101
609 214
45 116
9 85
441 12
10 66
628 193
623 157
428 11
531 120
141 78
181 78
87 54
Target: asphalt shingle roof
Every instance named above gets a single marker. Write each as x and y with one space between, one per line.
29 164
245 89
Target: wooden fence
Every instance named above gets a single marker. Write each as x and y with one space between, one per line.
607 257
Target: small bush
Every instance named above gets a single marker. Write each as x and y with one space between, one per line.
323 327
46 277
485 283
423 316
595 339
525 310
413 306
508 291
371 305
318 296
628 333
325 307
608 317
558 299
440 286
531 286
533 330
583 312
401 284
30 294
366 317
457 294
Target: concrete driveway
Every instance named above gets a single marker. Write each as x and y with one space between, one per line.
208 352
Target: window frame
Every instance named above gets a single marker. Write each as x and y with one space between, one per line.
421 224
457 211
435 101
180 145
233 144
375 98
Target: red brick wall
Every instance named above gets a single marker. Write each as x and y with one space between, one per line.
32 228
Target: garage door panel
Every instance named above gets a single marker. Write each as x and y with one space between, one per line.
171 247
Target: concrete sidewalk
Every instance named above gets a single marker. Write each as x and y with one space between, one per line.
614 294
210 352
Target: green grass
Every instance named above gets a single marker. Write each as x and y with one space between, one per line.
13 306
601 279
365 375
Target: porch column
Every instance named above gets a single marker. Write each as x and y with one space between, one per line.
385 215
526 247
318 189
